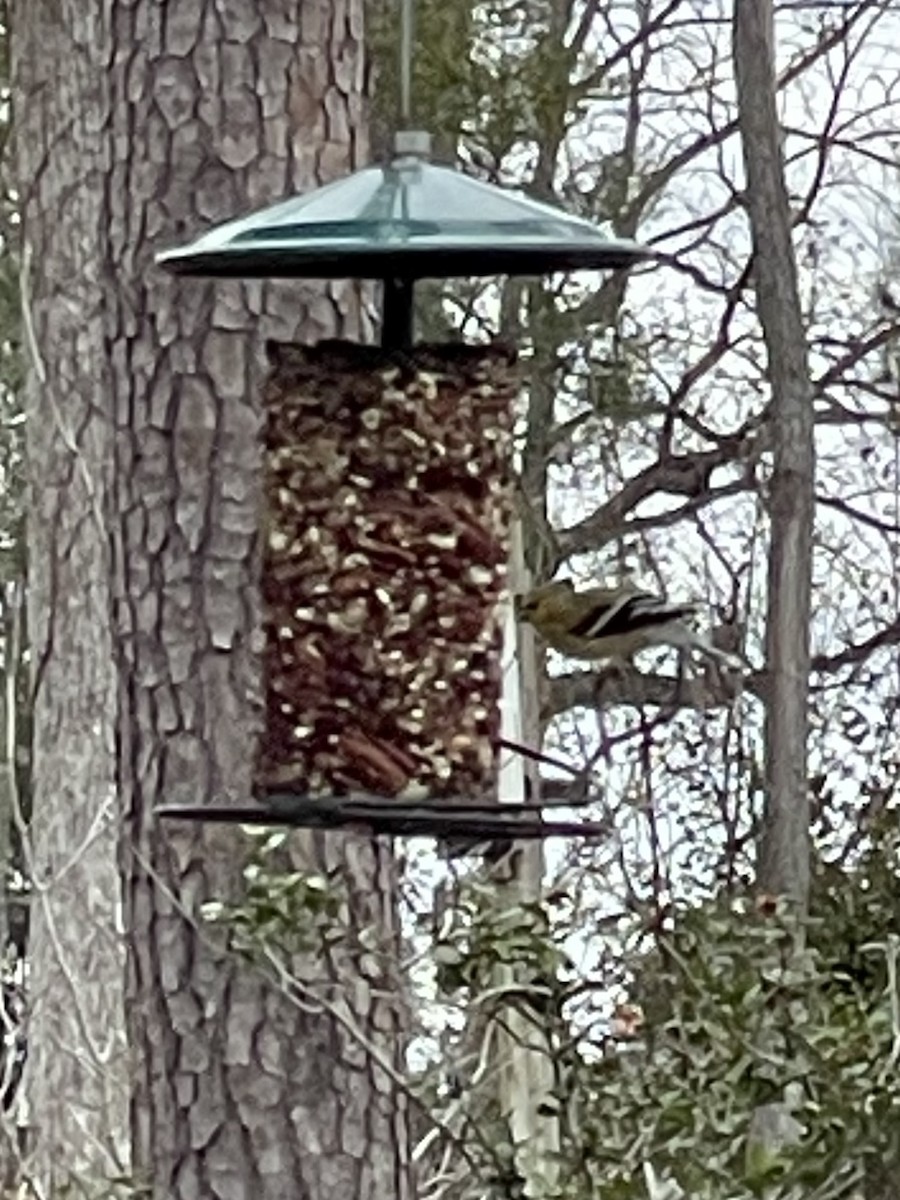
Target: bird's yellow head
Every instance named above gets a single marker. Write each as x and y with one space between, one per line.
541 599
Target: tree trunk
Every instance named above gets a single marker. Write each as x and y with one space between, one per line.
76 1071
237 1090
784 857
784 863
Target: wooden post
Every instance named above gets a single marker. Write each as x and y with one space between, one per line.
525 1052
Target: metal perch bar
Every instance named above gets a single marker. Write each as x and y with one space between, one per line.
391 818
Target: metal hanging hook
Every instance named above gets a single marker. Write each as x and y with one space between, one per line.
406 53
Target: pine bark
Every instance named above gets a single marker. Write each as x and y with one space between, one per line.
76 1078
174 116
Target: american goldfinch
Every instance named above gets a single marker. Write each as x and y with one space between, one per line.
611 622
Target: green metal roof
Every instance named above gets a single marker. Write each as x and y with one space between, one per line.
409 220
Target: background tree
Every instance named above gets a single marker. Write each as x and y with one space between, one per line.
784 846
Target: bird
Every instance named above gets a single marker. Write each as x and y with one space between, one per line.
612 623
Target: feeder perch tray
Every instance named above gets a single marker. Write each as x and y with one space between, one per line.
439 820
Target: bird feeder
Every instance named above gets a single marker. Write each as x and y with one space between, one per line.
398 223
388 485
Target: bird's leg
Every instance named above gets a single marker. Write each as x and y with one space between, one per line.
721 658
681 674
684 638
616 668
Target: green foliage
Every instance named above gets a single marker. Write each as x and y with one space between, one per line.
857 927
742 1008
484 936
736 1012
281 909
763 1066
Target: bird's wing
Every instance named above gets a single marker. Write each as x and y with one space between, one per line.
618 613
606 612
655 610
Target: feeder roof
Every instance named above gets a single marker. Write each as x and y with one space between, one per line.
410 220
